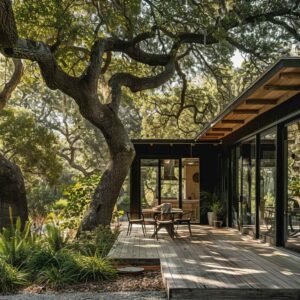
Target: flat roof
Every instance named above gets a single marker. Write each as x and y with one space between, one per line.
173 141
276 85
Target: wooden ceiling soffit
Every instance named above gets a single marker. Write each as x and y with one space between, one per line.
215 134
233 121
289 75
245 111
282 87
261 101
222 129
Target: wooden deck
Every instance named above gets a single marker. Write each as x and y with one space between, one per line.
214 264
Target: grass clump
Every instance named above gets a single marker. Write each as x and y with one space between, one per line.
52 259
11 278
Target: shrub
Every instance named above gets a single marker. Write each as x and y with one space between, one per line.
38 261
97 243
55 238
16 243
11 278
104 240
94 268
60 270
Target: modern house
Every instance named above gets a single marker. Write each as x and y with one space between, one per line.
249 155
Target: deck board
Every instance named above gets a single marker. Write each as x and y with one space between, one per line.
214 264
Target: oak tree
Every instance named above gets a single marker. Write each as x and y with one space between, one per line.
75 42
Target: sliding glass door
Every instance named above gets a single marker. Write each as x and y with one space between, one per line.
292 224
267 201
174 181
248 186
149 183
170 181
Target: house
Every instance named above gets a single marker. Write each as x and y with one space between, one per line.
249 155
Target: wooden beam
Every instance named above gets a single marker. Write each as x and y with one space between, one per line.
215 134
290 75
246 111
222 129
282 87
233 121
261 101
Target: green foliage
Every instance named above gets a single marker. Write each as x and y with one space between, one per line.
40 198
16 243
59 270
294 186
11 278
218 209
94 268
29 145
97 243
52 259
55 238
78 196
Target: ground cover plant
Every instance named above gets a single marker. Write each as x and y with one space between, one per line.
51 258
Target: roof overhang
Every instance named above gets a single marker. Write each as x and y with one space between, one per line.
278 84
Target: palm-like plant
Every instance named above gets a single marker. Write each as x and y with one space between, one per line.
16 242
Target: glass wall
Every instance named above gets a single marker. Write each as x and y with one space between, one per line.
235 159
248 186
149 183
293 187
267 201
162 181
170 181
191 187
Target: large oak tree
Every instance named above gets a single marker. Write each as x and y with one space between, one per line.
74 43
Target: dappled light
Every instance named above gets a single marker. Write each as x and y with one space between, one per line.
212 258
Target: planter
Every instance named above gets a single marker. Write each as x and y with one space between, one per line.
218 224
211 218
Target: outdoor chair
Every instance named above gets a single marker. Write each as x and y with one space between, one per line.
184 219
165 220
135 222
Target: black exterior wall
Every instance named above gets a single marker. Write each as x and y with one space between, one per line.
209 155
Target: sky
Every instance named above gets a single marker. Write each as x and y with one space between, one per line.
237 59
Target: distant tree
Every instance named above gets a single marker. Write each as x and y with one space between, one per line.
158 41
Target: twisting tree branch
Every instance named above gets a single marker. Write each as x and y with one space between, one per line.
12 83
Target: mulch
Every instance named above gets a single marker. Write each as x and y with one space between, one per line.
149 280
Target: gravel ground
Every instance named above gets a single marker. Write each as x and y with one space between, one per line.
145 286
149 295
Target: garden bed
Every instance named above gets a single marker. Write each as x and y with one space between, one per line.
148 281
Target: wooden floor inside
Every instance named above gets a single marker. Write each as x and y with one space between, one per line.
213 264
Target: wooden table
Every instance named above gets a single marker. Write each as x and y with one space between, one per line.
154 212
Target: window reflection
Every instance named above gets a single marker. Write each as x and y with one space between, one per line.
293 203
267 212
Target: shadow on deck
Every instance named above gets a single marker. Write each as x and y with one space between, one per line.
213 264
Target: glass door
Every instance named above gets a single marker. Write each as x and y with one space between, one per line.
267 201
292 224
169 181
248 186
149 183
191 187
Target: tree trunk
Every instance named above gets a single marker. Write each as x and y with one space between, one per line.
12 193
121 156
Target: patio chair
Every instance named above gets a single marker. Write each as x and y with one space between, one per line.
135 222
165 220
184 219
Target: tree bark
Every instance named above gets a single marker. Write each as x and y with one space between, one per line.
12 187
121 156
12 193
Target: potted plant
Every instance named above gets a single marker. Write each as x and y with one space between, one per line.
207 202
218 210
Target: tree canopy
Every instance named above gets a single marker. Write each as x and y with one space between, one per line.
175 56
